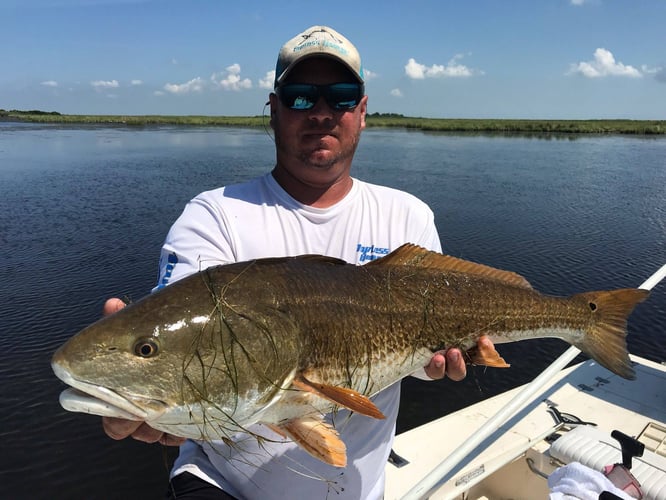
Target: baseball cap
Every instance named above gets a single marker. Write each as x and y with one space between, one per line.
317 41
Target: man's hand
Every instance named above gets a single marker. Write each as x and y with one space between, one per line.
112 305
450 363
119 428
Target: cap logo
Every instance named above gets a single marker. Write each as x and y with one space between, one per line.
336 44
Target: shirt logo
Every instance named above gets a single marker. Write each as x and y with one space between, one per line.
171 261
368 253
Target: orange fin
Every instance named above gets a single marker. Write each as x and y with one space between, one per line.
413 255
318 438
605 341
486 356
348 398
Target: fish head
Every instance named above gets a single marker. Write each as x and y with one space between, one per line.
177 357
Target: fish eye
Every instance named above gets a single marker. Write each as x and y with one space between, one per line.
146 348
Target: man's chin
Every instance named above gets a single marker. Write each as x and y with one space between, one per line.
321 159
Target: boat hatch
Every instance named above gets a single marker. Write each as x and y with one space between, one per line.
654 438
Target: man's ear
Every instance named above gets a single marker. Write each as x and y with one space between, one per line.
364 110
272 103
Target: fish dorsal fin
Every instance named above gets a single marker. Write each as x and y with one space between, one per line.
414 255
318 438
347 398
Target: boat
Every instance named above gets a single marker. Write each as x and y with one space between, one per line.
507 446
571 420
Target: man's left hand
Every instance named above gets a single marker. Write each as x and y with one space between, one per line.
451 363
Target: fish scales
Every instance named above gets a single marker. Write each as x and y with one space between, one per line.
407 310
283 341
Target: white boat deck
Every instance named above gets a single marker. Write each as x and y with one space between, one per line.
588 391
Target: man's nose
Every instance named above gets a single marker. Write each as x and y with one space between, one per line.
321 110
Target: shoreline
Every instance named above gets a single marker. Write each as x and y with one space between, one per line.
530 126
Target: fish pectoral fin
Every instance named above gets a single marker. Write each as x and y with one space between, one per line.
347 398
318 438
486 356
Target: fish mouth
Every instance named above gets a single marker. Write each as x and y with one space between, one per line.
84 397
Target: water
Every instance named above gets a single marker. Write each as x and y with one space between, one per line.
83 212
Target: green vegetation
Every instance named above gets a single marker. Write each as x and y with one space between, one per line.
392 120
520 126
135 120
16 112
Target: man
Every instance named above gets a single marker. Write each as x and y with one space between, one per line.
308 204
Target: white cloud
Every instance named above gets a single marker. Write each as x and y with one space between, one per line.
230 79
658 72
49 83
417 71
604 64
194 85
369 75
136 82
396 93
577 2
267 81
105 84
453 69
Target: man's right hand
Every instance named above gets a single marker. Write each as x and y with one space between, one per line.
119 428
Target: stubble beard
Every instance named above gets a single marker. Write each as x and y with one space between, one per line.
313 158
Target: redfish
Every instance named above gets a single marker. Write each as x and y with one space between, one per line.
283 341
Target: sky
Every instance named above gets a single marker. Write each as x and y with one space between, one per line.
534 59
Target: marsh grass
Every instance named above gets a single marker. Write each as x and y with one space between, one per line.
135 120
523 126
386 120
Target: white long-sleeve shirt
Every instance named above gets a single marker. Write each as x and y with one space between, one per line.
258 219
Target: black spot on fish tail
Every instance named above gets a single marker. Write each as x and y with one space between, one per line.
605 341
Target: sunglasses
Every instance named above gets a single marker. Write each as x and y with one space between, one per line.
304 96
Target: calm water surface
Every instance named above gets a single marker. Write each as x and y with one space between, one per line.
83 212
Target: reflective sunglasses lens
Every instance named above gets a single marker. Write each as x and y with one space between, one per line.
298 96
343 95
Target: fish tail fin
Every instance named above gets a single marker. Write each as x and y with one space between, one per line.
606 340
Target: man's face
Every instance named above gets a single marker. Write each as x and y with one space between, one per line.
317 145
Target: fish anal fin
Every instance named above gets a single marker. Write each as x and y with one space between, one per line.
347 398
318 438
413 255
486 356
